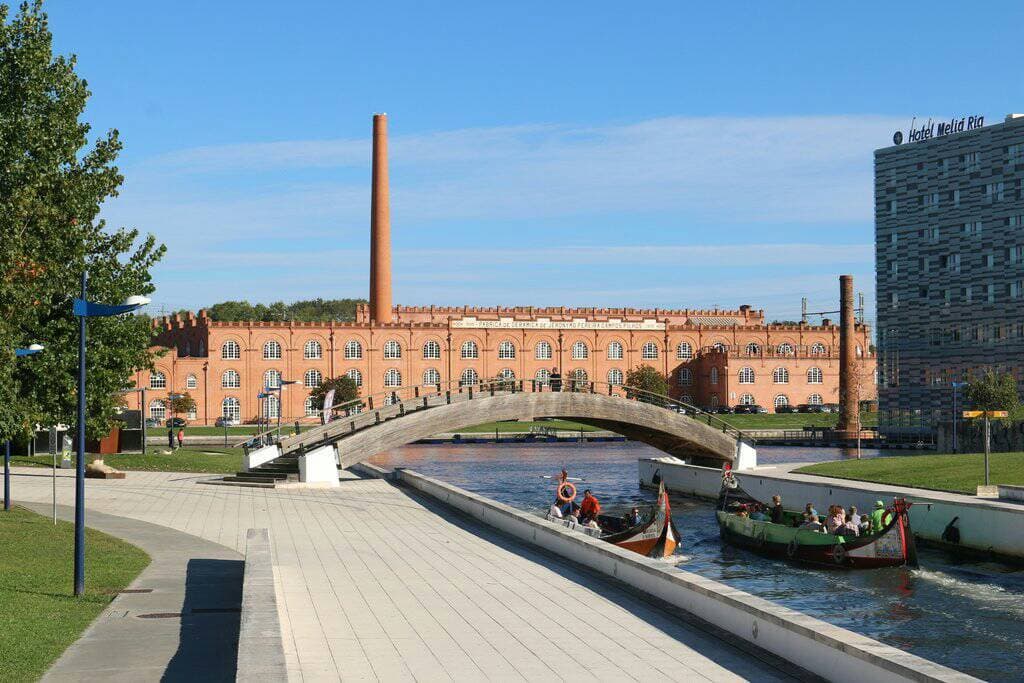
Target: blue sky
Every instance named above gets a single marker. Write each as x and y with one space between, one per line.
664 155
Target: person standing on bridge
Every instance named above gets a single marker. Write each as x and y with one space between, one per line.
556 380
590 508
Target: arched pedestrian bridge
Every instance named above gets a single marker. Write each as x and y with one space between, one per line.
372 425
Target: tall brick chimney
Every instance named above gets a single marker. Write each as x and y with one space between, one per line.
380 225
848 398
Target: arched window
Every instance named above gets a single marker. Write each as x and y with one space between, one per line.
392 378
431 376
272 379
469 378
432 351
506 373
392 350
353 350
714 400
615 376
157 380
753 349
272 350
230 380
230 350
271 406
714 375
580 351
310 407
649 351
312 350
746 375
814 400
860 351
814 376
684 351
470 350
578 377
785 349
543 376
231 409
356 376
157 410
615 351
781 400
719 346
191 382
506 350
542 351
817 349
780 376
312 379
685 377
747 400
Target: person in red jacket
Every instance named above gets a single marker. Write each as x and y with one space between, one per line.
590 508
181 438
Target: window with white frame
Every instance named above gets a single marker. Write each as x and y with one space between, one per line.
356 376
231 409
781 400
753 349
615 351
272 379
312 350
392 378
157 380
506 350
470 350
543 376
714 375
432 351
746 375
353 350
230 350
542 351
780 376
469 378
719 346
392 350
312 379
747 400
814 376
271 406
615 377
506 374
580 351
578 376
191 382
785 349
272 350
230 380
431 376
310 407
817 349
684 351
157 410
191 414
685 377
814 400
649 351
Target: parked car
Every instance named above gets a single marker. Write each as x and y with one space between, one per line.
226 422
810 408
785 409
760 410
830 407
152 422
743 410
721 410
175 422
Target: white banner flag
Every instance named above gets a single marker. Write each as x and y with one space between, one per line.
328 402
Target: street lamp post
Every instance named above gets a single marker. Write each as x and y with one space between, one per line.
18 353
280 402
83 308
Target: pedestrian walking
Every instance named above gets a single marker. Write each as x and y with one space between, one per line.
181 437
170 438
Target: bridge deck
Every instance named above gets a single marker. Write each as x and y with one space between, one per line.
375 583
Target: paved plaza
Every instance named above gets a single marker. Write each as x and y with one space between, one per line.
374 583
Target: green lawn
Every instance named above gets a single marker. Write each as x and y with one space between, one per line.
39 616
525 426
961 473
211 459
792 420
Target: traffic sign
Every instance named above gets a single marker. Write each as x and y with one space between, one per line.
981 413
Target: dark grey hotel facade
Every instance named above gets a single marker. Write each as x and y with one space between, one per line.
949 242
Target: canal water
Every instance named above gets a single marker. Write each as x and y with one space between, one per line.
964 614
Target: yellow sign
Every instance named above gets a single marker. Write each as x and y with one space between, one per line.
981 413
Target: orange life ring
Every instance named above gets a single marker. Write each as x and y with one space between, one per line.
564 496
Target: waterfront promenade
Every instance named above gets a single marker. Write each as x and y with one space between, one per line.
374 583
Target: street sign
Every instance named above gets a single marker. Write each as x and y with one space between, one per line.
981 413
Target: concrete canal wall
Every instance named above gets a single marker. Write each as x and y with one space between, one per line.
989 527
831 652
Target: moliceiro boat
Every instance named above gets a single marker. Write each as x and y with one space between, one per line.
655 536
892 546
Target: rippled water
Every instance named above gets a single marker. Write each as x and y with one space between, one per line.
966 615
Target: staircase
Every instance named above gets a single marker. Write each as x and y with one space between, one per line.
266 476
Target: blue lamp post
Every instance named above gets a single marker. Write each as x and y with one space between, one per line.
280 402
18 353
83 308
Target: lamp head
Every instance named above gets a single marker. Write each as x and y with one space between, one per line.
136 300
35 348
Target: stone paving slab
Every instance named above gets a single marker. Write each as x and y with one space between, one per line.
373 583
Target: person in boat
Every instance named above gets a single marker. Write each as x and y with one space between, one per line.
742 511
590 508
758 513
633 518
836 519
812 523
555 511
879 517
778 513
852 525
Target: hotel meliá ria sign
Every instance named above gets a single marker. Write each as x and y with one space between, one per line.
548 324
938 129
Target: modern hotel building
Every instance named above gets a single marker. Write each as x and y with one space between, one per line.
949 241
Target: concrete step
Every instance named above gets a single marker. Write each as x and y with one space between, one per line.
261 476
231 481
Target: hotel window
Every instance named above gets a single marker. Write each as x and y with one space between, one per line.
230 380
991 292
753 349
685 377
893 207
1015 254
785 349
353 350
649 351
746 375
543 376
271 406
157 410
972 161
955 197
392 378
747 400
310 407
231 409
506 350
951 263
931 234
1015 289
967 293
272 379
684 351
780 376
1015 154
157 380
894 300
1015 221
312 379
931 201
972 228
814 376
272 351
469 378
989 260
432 350
470 350
923 265
615 351
191 382
814 399
580 351
781 400
894 267
312 350
230 350
542 351
356 376
392 350
714 375
817 349
431 376
947 165
506 374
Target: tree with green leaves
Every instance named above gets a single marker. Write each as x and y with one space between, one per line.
345 389
647 378
314 310
52 185
992 391
181 403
